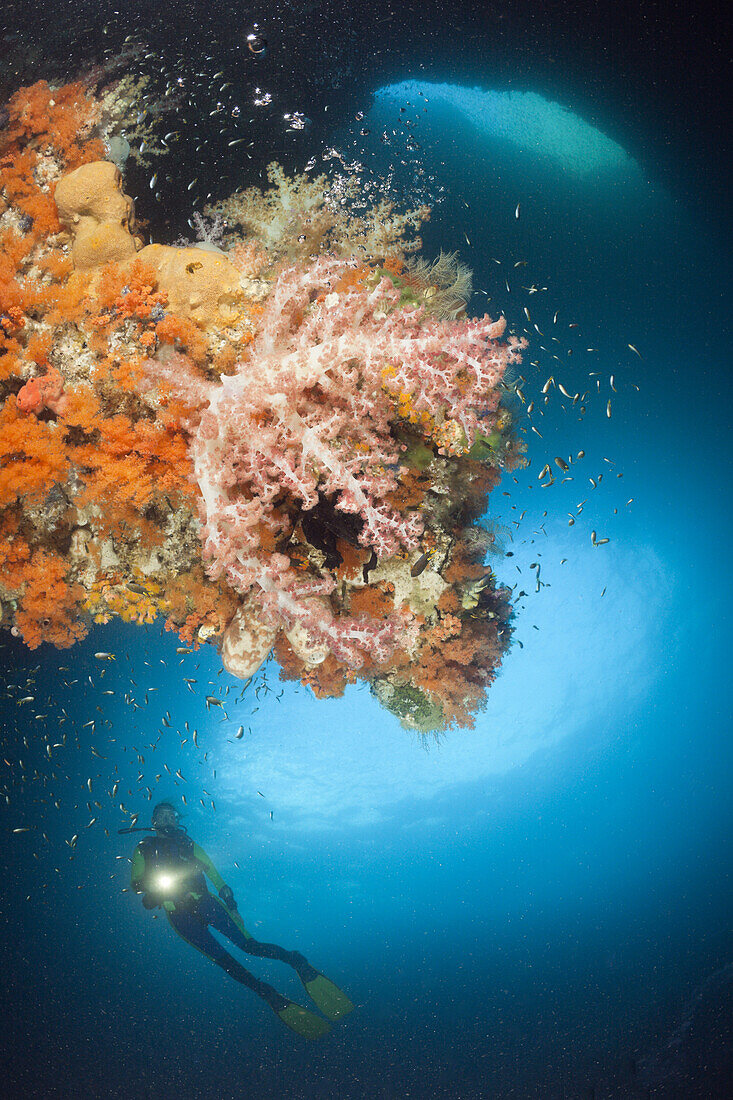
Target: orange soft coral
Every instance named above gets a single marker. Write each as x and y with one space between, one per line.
61 118
127 292
327 680
184 334
128 463
456 665
32 456
14 553
50 604
192 601
372 600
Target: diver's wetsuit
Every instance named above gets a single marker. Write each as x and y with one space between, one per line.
192 910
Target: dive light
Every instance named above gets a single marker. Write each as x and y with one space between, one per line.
166 883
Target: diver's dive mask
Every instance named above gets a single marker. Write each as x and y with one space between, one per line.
166 818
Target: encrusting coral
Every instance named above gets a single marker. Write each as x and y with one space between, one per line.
281 448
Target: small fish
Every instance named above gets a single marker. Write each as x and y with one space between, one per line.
105 656
212 701
240 733
608 408
22 829
635 350
562 464
153 181
516 212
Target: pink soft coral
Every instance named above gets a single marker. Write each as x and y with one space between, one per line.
309 413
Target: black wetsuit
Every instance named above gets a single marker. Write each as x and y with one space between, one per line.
169 869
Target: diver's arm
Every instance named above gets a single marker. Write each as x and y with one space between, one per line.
208 867
225 892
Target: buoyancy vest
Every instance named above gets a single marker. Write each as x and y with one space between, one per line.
172 855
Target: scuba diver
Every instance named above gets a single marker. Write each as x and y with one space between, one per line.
168 869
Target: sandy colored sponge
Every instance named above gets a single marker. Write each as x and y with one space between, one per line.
92 206
201 285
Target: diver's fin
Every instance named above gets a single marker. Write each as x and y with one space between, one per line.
331 1000
303 1022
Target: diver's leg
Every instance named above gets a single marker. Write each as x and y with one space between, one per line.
192 926
331 1000
195 931
220 918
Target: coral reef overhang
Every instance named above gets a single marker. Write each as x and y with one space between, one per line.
282 446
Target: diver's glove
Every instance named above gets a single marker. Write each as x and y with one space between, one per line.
227 896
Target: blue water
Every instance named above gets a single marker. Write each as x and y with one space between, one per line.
539 907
